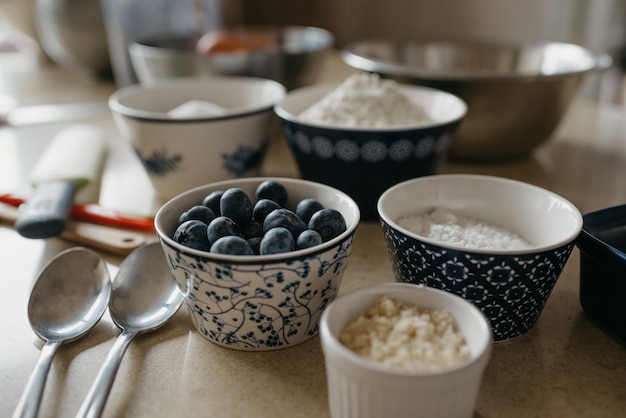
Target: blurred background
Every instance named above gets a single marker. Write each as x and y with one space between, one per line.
596 24
81 25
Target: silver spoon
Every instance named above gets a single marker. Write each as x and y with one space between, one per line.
67 300
143 297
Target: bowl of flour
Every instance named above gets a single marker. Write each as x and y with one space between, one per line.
499 243
366 134
190 131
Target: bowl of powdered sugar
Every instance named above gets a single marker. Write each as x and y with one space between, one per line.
501 244
366 134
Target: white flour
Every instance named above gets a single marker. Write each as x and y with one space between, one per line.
365 100
196 108
451 228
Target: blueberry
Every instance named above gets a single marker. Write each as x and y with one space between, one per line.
262 208
236 204
253 229
328 222
306 208
308 239
232 245
222 227
286 219
272 190
255 243
277 240
212 201
193 234
199 212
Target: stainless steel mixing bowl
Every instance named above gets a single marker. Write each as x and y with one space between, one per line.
294 63
516 94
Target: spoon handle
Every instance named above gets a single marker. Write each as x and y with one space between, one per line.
28 406
99 392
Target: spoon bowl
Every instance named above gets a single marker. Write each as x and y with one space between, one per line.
69 297
144 293
144 296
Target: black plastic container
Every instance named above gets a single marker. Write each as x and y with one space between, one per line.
602 245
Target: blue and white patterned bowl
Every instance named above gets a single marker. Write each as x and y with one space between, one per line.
364 162
259 303
185 152
511 287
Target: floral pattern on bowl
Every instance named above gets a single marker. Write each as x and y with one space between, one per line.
231 307
160 162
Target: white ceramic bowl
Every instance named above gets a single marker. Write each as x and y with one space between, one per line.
510 286
364 162
259 303
182 153
360 388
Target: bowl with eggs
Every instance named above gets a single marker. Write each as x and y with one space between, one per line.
498 243
258 259
396 348
191 131
366 134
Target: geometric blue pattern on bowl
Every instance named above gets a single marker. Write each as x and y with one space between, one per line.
364 163
511 291
252 306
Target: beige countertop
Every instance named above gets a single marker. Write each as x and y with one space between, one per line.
566 366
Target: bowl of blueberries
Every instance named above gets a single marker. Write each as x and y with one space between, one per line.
258 259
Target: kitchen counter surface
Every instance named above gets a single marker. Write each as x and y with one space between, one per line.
565 366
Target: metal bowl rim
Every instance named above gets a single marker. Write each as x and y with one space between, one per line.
145 46
350 56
